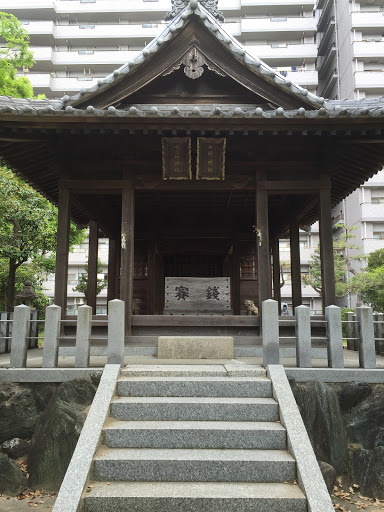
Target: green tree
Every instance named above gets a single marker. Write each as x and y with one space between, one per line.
82 283
15 54
28 227
370 283
343 262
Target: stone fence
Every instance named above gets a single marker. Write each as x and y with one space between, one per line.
6 325
360 331
359 334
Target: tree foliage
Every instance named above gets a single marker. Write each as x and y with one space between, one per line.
370 283
343 262
82 283
14 54
28 227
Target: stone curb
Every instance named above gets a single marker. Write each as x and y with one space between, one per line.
370 376
46 374
309 475
76 477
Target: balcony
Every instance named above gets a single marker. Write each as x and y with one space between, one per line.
281 54
304 78
369 80
277 6
281 26
366 20
44 83
368 49
372 211
48 59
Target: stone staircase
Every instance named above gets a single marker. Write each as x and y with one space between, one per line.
182 439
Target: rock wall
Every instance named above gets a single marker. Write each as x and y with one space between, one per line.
345 423
50 418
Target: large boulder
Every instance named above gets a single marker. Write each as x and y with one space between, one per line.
12 480
368 467
320 410
18 412
15 447
352 394
365 422
329 475
56 434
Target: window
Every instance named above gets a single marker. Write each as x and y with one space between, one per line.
87 1
85 78
72 279
287 277
278 45
377 200
378 235
85 52
279 19
85 27
101 310
150 25
248 267
284 245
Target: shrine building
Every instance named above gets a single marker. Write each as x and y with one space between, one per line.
194 160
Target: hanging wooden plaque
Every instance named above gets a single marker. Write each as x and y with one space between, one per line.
210 159
176 158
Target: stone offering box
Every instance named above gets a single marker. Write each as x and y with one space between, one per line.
197 296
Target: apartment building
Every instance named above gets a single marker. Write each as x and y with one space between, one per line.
77 42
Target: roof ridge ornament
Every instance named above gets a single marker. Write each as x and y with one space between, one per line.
180 5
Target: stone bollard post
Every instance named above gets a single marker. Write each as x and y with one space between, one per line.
367 356
83 334
335 337
270 332
303 335
4 333
51 336
116 331
380 334
349 330
20 331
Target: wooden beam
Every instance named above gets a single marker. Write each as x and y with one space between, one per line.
295 264
276 272
326 249
262 244
62 250
112 292
127 254
235 277
92 265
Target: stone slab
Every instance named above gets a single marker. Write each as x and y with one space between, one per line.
308 472
195 434
194 409
195 386
169 370
195 347
195 295
196 465
193 497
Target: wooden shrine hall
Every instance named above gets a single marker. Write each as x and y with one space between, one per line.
193 159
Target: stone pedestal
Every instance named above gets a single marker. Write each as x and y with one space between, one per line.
195 347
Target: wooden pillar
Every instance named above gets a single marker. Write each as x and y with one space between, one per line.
326 249
92 265
152 278
235 274
262 243
112 292
276 272
297 298
127 254
62 249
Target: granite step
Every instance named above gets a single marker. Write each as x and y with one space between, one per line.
195 386
196 465
194 497
195 434
194 409
194 370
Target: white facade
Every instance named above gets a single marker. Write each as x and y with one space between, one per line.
77 42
